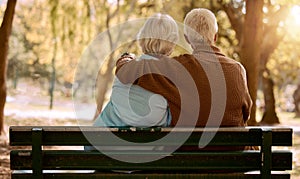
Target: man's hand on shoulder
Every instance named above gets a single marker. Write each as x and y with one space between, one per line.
125 57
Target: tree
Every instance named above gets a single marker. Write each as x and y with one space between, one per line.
284 68
5 31
250 48
270 42
31 40
255 55
53 16
269 114
296 97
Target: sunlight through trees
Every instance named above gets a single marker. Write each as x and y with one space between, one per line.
49 37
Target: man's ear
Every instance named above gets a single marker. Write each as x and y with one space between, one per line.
186 39
215 37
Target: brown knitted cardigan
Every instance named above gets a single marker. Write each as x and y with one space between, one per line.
220 82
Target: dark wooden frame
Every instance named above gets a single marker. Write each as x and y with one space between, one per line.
182 163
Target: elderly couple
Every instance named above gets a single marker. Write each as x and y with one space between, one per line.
204 88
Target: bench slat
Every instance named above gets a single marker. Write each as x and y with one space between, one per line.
179 161
281 175
73 136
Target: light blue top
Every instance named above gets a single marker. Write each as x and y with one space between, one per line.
132 105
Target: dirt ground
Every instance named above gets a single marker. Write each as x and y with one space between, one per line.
28 105
22 109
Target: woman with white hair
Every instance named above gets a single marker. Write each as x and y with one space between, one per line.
131 105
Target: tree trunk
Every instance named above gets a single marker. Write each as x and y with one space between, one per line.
270 39
5 31
269 44
296 97
52 80
16 77
269 115
250 49
53 15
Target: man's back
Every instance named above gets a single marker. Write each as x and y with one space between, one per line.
216 75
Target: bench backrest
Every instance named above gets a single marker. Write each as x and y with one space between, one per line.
38 159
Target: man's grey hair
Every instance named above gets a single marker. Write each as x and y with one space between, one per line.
200 25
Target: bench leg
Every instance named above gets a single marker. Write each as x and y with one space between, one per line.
266 154
37 170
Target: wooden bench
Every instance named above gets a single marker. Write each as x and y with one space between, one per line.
180 164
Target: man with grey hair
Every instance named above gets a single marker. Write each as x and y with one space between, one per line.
200 25
216 77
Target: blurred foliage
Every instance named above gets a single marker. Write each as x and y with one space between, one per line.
285 64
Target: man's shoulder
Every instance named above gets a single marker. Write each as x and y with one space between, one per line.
231 64
225 59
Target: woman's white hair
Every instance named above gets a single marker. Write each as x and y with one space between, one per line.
200 25
158 35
